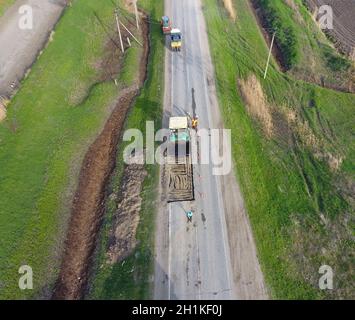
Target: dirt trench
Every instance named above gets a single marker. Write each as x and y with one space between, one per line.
89 202
261 20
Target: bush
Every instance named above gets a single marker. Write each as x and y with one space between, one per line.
285 36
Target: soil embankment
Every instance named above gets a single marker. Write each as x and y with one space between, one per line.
89 202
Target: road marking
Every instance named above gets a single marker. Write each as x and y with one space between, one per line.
169 258
218 186
224 231
199 280
169 205
185 59
220 213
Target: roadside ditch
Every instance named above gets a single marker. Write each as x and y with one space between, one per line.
88 206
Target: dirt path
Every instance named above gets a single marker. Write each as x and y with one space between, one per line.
88 206
19 48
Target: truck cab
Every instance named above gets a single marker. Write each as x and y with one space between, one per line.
176 39
165 25
179 140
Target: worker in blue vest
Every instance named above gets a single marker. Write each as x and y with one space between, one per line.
189 216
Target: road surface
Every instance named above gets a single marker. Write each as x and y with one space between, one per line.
214 257
19 48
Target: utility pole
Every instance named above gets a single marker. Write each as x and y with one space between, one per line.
131 34
136 12
119 30
268 59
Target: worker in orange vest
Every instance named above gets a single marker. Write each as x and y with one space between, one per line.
194 122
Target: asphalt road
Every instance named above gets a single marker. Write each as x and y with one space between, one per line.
19 48
213 257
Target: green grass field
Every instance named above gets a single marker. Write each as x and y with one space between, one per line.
132 279
58 112
298 206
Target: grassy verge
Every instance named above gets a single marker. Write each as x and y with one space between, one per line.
298 206
57 114
131 279
4 5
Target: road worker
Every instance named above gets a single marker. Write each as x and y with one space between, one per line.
189 216
194 122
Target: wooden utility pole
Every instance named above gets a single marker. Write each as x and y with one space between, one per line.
268 59
119 30
136 12
131 34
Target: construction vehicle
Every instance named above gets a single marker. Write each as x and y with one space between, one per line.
176 39
165 25
179 164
